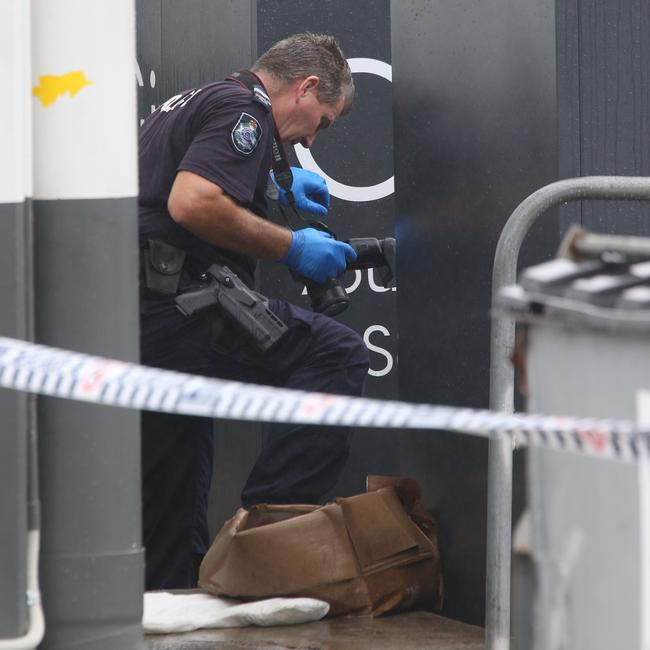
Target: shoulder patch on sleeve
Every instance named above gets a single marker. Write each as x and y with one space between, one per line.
246 134
259 95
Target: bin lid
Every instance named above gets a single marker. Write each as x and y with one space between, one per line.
611 292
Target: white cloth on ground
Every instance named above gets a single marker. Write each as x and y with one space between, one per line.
166 612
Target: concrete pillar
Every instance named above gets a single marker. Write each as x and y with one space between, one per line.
15 207
85 260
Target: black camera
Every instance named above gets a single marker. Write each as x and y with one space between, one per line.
330 298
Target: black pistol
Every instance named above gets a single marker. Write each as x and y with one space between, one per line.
247 309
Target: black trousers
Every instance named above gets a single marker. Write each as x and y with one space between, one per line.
298 464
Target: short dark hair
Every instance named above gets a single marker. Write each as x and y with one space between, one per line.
302 55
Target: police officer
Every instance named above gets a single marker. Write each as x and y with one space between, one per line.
205 158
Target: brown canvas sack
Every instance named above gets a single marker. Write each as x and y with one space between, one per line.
367 554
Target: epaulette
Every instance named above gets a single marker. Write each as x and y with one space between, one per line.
248 79
259 95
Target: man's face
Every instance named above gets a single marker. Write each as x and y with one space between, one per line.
309 116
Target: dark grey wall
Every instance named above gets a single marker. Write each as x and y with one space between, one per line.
190 43
15 290
604 104
475 133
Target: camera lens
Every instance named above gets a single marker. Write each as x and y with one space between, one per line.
328 298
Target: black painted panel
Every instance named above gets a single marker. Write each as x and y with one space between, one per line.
148 56
604 99
190 43
357 151
475 133
204 40
568 103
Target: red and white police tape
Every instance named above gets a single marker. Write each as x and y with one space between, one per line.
71 375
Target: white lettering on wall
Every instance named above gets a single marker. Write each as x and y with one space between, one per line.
338 189
140 81
381 351
377 287
356 283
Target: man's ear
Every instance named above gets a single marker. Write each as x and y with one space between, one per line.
308 84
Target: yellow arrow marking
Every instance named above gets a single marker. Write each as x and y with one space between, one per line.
52 86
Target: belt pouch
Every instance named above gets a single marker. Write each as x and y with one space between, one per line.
163 267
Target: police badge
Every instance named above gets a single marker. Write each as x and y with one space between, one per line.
246 134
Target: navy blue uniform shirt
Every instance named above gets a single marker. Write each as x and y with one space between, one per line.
220 132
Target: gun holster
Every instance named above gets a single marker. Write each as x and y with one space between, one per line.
163 267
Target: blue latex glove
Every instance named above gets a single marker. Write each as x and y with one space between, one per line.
309 190
316 255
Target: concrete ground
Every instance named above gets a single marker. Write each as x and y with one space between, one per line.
408 631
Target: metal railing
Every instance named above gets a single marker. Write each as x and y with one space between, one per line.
502 379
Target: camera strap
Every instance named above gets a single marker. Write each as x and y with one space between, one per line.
281 167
